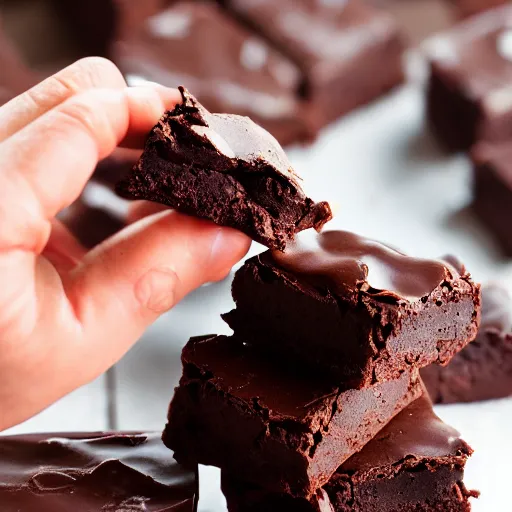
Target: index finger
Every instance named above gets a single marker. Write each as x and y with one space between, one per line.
46 165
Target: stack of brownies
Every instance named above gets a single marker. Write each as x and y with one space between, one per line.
315 403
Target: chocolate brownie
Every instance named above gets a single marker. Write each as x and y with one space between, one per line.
354 308
415 463
349 53
269 423
100 472
483 370
470 7
224 168
469 97
229 68
492 190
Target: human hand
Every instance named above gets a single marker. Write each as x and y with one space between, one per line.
66 315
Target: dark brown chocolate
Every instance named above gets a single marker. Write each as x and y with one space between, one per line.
227 169
482 370
469 95
229 68
492 190
100 472
349 53
369 311
416 462
15 77
269 423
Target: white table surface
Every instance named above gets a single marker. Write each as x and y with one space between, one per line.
385 175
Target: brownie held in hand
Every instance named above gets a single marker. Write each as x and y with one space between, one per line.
108 472
353 307
268 423
469 95
224 168
483 370
415 463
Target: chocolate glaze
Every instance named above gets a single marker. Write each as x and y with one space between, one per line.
235 137
351 263
416 432
94 472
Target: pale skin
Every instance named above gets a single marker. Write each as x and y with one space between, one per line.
67 315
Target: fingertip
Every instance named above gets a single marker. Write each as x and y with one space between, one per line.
229 247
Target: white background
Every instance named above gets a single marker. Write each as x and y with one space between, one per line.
384 174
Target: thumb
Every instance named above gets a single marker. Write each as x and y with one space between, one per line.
125 283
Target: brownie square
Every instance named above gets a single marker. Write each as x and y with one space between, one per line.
353 308
415 463
482 370
268 423
349 53
492 190
229 68
469 97
97 472
224 168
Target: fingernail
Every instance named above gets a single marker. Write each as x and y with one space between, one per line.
156 290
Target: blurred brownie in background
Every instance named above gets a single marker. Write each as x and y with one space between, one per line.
419 19
482 370
227 67
98 22
349 53
492 189
15 76
469 96
469 7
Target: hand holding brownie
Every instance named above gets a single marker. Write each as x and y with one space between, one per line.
66 315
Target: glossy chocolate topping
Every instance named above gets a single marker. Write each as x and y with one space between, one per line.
92 472
496 308
235 137
227 66
478 52
349 263
316 31
255 376
416 432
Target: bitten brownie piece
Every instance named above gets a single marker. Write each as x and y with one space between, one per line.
229 68
349 53
224 168
469 97
483 370
97 472
492 190
415 463
269 424
354 308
